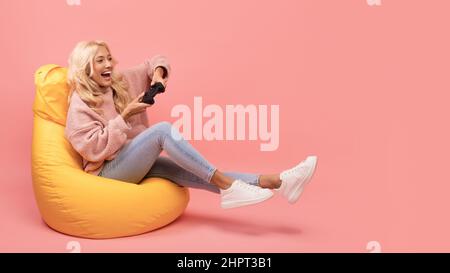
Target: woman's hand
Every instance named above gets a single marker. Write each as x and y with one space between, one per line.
158 76
134 107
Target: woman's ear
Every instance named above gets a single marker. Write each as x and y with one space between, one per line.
88 71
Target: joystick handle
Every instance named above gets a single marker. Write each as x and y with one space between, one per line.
152 92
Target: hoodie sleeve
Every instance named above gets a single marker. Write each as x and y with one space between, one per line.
90 137
140 77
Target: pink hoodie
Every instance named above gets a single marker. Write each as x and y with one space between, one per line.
98 138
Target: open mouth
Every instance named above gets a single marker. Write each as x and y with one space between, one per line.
106 75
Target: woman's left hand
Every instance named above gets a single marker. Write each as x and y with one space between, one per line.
158 77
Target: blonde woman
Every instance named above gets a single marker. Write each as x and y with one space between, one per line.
108 126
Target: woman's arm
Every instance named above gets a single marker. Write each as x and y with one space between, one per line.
140 77
90 137
161 71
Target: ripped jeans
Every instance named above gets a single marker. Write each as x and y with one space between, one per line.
140 158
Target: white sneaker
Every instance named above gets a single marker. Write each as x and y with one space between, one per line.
294 180
243 194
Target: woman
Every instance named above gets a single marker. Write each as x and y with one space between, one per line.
108 126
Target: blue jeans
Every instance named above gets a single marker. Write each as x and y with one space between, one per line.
140 158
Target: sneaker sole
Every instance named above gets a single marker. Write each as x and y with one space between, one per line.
295 195
242 203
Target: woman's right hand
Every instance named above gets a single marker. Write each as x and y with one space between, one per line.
134 107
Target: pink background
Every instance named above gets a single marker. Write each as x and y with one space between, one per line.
363 87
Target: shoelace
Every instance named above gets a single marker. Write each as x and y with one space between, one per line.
249 187
296 170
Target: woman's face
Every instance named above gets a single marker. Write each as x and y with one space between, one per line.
103 67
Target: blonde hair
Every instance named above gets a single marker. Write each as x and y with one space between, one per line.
81 67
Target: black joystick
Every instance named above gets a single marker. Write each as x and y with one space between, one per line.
152 92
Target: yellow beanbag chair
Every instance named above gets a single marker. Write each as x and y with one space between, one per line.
74 202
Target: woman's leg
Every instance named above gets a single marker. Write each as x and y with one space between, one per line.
166 168
137 157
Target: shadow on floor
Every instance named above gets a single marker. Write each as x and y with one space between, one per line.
233 225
